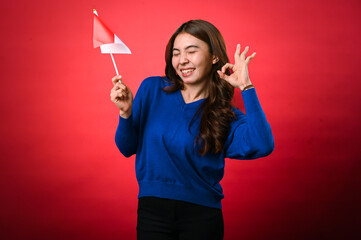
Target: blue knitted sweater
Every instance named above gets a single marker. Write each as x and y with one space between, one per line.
161 132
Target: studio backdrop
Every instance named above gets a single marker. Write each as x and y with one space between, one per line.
61 175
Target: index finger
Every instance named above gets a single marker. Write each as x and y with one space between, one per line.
237 54
116 79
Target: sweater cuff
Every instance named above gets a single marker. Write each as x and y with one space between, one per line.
251 101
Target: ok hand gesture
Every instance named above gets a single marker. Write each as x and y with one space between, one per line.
239 78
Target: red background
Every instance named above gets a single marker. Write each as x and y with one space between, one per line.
62 176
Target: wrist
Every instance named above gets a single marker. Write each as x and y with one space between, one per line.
246 87
125 115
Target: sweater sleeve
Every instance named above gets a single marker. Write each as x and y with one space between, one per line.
127 133
250 135
126 136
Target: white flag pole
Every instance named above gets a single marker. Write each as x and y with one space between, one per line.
115 66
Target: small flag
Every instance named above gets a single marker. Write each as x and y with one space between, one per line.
106 39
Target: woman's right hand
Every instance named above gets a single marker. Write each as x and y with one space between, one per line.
122 97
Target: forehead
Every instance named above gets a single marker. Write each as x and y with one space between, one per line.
184 40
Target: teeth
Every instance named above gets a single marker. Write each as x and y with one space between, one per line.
187 70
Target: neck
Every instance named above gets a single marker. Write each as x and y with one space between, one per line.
193 93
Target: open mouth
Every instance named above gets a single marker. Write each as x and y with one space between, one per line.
187 72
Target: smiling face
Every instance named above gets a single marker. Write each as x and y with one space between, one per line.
192 60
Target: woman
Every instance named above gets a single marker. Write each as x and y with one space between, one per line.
181 128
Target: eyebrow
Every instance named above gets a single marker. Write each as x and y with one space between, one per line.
190 46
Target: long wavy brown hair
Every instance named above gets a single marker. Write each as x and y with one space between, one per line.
216 110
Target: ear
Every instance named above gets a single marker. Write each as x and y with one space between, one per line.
215 60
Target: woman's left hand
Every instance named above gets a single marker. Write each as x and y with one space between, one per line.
239 78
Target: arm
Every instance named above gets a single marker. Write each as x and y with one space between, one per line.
126 136
250 136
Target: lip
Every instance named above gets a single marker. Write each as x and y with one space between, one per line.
186 74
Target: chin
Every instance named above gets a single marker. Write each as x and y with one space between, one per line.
188 81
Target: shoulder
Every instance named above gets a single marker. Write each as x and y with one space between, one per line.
238 113
154 82
240 117
152 87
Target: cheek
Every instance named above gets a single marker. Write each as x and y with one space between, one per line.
174 63
205 63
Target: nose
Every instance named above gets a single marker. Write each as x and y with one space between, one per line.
183 59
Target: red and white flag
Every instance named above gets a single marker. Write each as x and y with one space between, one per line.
106 39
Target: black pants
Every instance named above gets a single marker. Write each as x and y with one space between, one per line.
160 218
